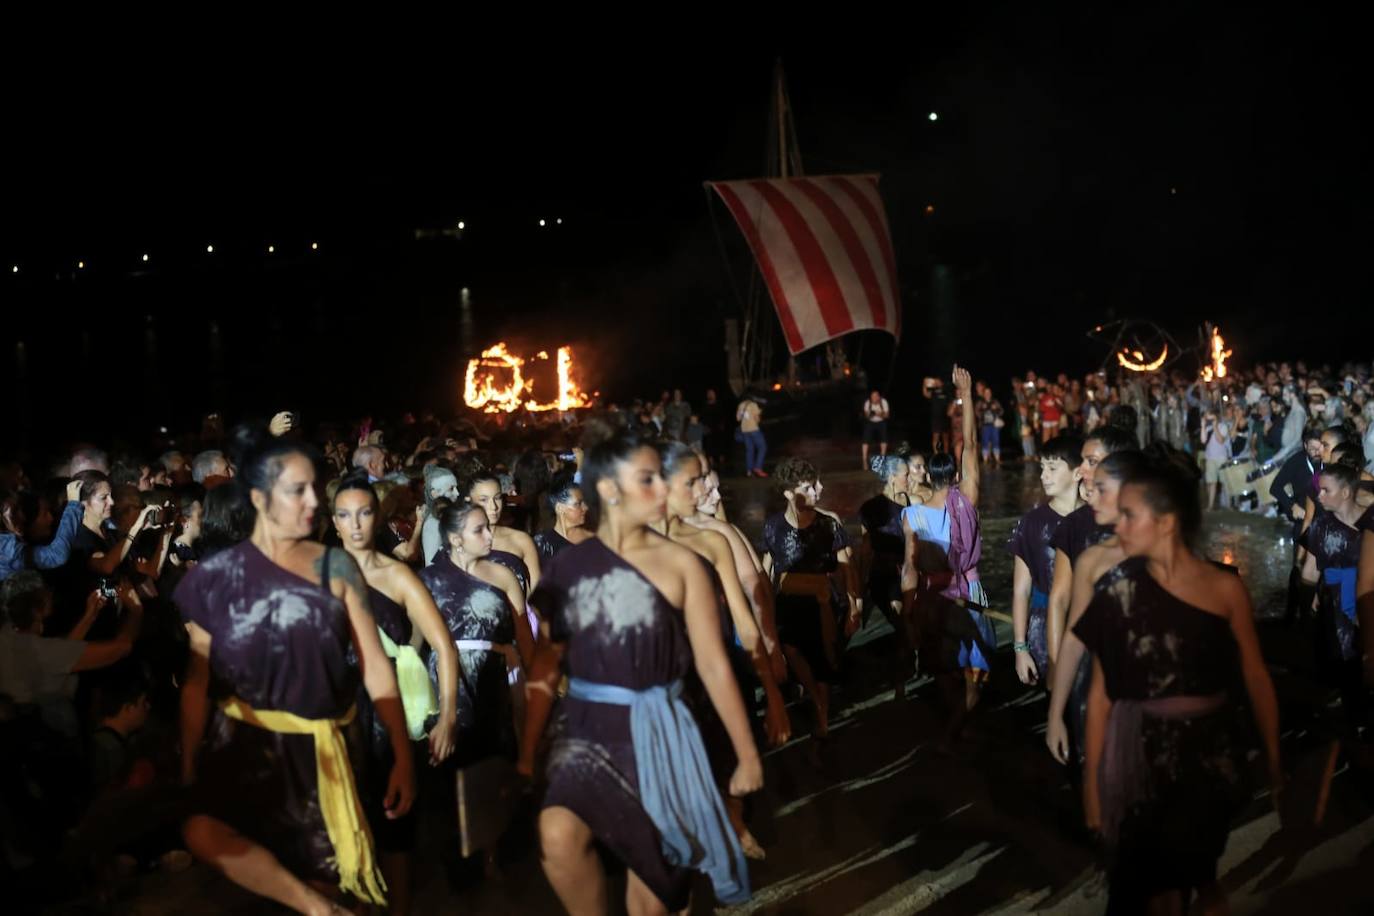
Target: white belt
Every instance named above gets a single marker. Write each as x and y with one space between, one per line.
484 645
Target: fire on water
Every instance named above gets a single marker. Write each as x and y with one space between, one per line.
496 384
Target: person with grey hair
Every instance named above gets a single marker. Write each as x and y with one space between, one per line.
440 483
88 458
208 464
371 459
173 462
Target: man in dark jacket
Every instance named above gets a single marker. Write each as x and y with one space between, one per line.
1291 486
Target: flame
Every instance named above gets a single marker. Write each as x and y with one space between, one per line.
1219 356
569 395
1139 364
495 383
484 391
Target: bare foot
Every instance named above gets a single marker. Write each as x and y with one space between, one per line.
320 905
752 850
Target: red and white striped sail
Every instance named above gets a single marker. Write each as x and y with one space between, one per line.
823 247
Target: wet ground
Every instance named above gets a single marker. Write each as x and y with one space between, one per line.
876 822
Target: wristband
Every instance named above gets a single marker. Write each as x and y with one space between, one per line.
1020 647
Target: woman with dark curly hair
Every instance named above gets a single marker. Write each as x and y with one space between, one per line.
804 547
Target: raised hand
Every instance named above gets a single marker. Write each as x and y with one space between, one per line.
963 382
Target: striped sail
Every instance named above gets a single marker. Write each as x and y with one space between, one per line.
823 247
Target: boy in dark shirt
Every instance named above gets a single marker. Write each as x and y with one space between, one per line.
1032 548
1079 531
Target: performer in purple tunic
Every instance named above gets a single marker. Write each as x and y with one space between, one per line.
271 622
629 612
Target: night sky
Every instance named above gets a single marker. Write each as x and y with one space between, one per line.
1148 164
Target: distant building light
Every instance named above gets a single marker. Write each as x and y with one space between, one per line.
930 209
271 249
14 269
145 257
80 265
462 225
559 221
542 223
209 249
314 246
933 116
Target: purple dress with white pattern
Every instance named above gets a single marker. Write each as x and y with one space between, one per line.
279 642
618 629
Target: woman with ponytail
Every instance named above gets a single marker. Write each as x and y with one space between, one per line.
628 613
401 604
569 517
682 471
283 627
511 547
1169 634
483 608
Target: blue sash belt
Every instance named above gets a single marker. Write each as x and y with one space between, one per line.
1344 577
675 783
1039 601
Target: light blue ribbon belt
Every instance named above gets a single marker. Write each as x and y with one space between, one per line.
1345 578
675 783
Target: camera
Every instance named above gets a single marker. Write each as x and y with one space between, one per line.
107 589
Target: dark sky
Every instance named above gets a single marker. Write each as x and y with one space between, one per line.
1158 164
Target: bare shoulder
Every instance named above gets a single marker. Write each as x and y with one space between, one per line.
396 574
1228 584
672 555
1094 561
715 544
519 538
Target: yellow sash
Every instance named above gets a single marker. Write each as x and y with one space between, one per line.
412 679
343 812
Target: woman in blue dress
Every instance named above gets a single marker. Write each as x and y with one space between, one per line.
628 613
940 582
